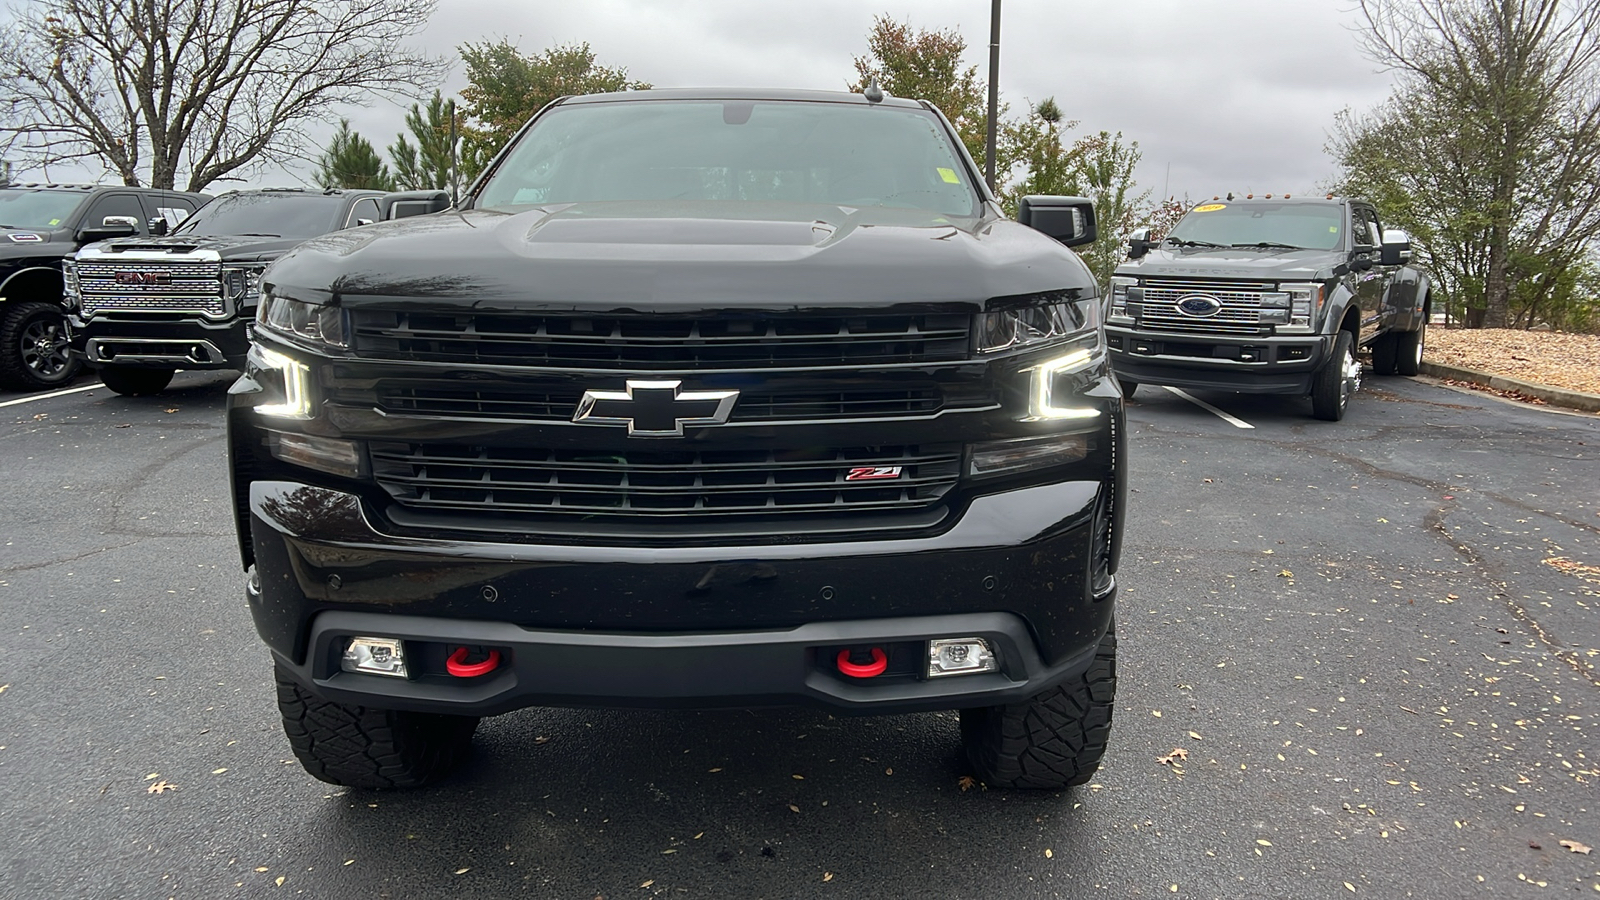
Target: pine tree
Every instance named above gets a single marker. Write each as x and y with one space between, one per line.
351 162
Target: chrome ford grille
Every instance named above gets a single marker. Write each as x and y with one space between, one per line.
661 342
144 285
702 485
1240 312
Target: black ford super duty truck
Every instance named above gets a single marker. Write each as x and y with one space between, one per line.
695 399
40 226
1269 296
145 307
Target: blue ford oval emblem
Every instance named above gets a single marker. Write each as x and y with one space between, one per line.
1199 305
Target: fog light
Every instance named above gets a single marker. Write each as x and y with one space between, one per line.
960 656
375 656
336 457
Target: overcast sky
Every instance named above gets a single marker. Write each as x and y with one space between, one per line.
1220 94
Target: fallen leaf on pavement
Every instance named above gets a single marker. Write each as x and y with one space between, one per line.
648 882
967 782
827 876
161 787
1576 847
1178 754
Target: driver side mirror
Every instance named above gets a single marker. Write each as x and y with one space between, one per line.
1069 220
1139 243
1396 248
110 227
158 226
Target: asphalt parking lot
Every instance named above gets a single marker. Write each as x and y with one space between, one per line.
1357 659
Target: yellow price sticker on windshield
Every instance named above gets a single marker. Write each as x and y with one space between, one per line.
54 222
1211 207
949 175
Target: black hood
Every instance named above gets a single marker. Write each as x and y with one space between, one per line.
1253 263
49 243
233 248
679 256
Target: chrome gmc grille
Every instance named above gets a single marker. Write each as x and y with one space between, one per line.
1240 313
149 285
698 484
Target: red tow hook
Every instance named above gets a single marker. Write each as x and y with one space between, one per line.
870 670
458 666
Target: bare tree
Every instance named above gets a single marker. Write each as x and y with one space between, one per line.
1521 82
208 87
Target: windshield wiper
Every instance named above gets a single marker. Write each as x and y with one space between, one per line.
1183 243
1271 245
255 234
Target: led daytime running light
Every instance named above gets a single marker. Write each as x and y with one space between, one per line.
296 386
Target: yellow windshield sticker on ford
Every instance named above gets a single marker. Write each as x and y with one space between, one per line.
949 175
1211 207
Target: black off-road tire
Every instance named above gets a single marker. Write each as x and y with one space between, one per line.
1128 387
362 747
132 382
33 343
1408 350
1383 354
1329 398
1053 741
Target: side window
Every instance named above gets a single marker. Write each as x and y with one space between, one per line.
1360 231
172 209
365 212
116 205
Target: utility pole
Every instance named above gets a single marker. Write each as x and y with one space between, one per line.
994 93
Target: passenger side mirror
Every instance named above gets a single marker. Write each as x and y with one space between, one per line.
1139 243
1069 220
158 226
1396 248
110 227
404 204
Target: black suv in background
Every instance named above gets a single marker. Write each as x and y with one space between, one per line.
700 398
40 226
145 307
1269 296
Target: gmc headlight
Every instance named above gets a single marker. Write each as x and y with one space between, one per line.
69 285
1305 303
242 283
1036 321
307 322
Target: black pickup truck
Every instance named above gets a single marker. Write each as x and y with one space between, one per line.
145 307
40 226
698 398
1269 296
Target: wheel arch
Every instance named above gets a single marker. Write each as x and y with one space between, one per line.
45 277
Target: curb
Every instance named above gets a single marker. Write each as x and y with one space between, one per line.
1554 396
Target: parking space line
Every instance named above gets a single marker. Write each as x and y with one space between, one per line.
34 397
1231 420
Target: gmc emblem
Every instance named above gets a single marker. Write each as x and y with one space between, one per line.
144 278
873 473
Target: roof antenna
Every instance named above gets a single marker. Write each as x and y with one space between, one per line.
873 93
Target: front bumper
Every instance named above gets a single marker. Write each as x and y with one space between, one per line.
586 625
1276 364
188 342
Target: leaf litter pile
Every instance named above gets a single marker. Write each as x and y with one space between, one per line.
1570 361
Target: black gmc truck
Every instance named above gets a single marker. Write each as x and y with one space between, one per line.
697 398
145 307
1269 296
40 226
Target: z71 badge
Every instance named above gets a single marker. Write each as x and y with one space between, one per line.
873 473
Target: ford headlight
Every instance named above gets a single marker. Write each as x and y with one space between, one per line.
1036 321
305 322
1305 304
1120 285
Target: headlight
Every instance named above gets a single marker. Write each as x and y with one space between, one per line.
69 285
242 283
296 385
1119 295
307 322
1036 321
1305 303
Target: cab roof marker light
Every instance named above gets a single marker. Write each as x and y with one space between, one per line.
296 394
1041 402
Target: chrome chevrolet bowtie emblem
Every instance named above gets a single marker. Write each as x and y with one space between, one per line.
655 408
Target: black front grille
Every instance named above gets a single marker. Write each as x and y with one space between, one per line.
662 341
509 403
686 484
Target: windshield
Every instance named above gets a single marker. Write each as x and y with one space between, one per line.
1312 226
735 150
37 209
271 214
